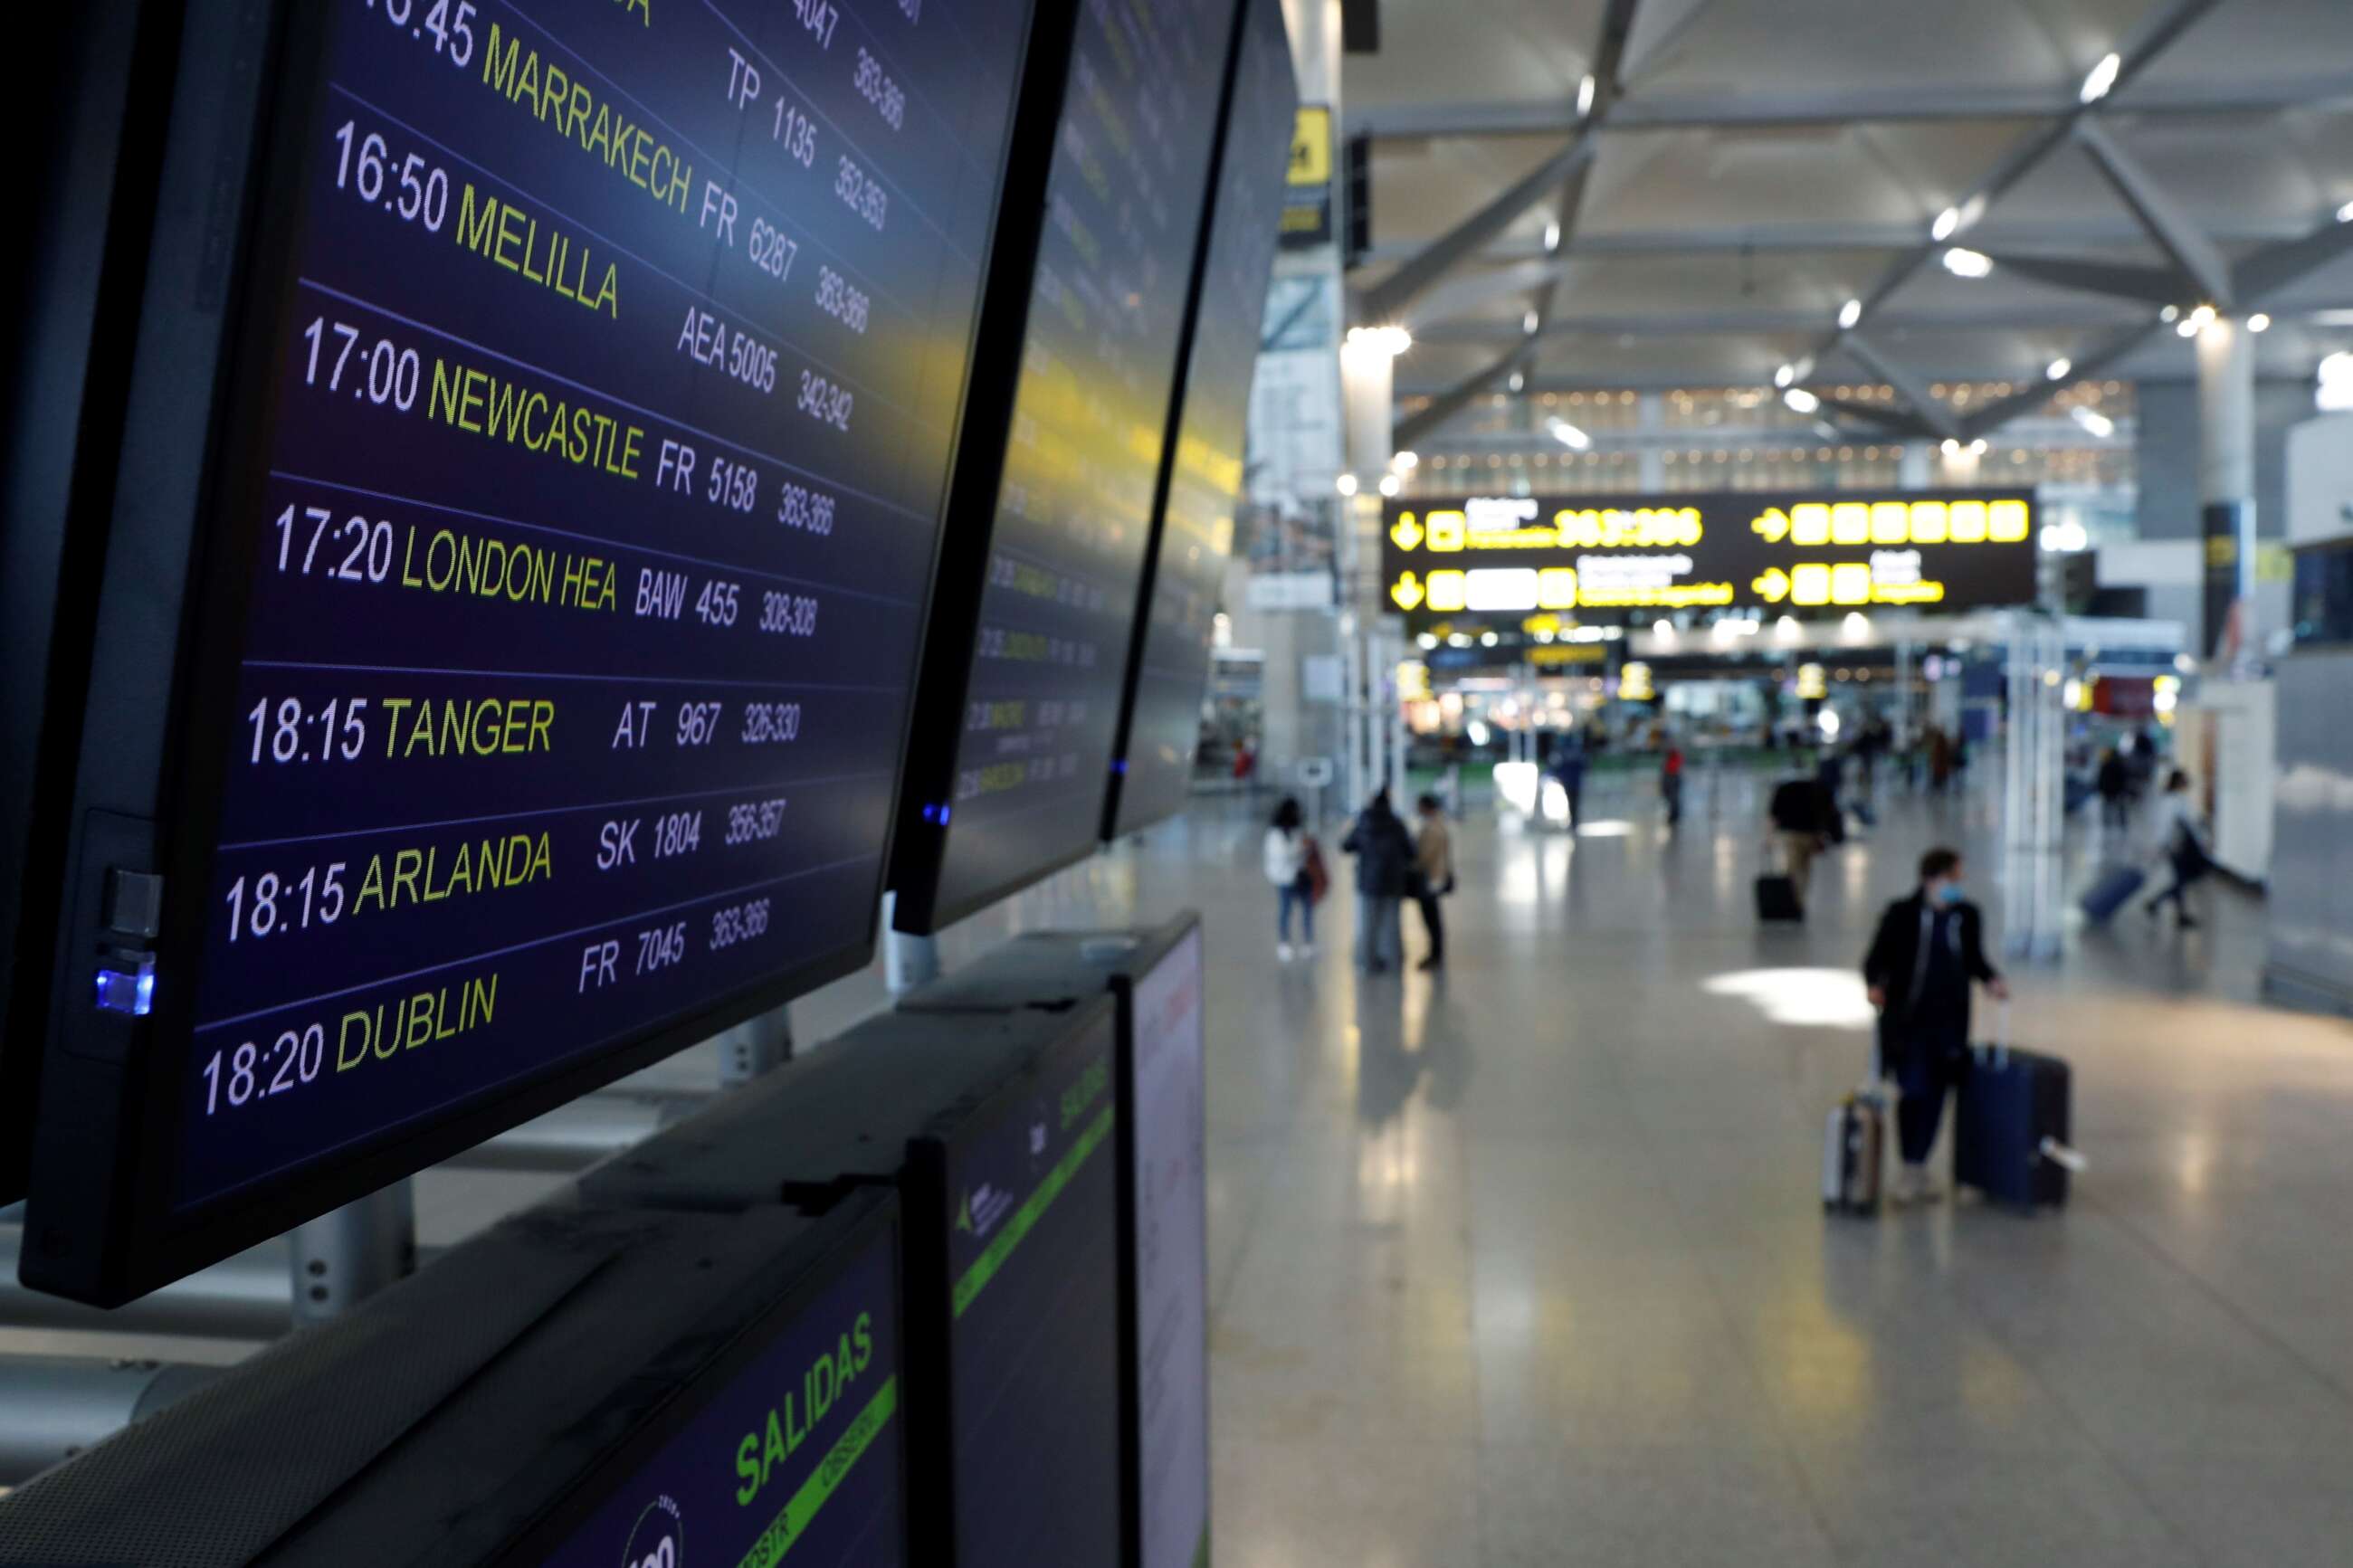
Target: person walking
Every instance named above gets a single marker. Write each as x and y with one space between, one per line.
2179 841
1796 813
1928 949
1568 767
1385 858
1940 759
1433 856
1670 782
2114 785
1285 856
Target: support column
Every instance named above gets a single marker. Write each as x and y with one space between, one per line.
2226 482
341 1259
1911 467
754 1046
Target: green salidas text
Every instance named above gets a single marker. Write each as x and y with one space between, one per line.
790 1423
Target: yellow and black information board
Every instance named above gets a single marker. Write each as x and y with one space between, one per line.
1307 190
1512 555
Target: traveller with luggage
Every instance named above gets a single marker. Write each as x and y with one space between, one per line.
2180 843
1800 830
1929 949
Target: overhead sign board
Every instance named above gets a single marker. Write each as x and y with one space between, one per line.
1512 555
1307 203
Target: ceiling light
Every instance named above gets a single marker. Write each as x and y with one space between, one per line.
1568 435
1488 639
1346 483
1950 447
1784 376
1389 484
1405 461
1552 237
2169 315
2188 327
1850 313
1963 262
2200 316
2259 323
1517 381
2093 420
2058 368
1528 323
2345 213
1585 91
1800 401
1977 447
1392 341
1946 222
1428 640
2336 393
1825 430
2102 78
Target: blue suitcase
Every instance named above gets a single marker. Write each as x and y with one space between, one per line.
2115 889
2010 1128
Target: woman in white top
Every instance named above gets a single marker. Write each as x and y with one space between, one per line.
2177 838
1287 852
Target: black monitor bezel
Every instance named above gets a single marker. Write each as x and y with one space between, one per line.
919 856
101 1227
1140 631
927 1324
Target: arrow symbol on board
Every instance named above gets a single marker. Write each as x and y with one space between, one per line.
1773 585
1408 592
1408 533
1774 525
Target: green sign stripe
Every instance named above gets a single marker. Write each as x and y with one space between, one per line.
801 1508
985 1266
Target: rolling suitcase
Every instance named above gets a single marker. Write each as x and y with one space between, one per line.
1852 1157
2115 889
1777 898
2010 1128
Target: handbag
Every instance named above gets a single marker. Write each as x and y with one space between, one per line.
1319 875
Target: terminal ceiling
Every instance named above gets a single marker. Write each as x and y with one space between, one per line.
1747 167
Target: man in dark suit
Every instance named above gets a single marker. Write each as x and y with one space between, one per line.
1930 949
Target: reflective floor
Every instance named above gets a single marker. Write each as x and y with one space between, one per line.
1526 1265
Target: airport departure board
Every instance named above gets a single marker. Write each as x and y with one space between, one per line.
1073 516
1032 1229
572 535
1163 727
795 1455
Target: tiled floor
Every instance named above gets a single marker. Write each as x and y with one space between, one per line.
1526 1265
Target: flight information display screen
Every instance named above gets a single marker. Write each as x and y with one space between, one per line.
1033 1345
1073 520
797 1456
613 355
1197 522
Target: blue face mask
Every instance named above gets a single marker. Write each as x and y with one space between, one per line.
1949 893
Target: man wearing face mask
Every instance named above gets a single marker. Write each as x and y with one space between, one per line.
1930 947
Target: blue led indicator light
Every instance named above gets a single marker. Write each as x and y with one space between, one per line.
126 984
